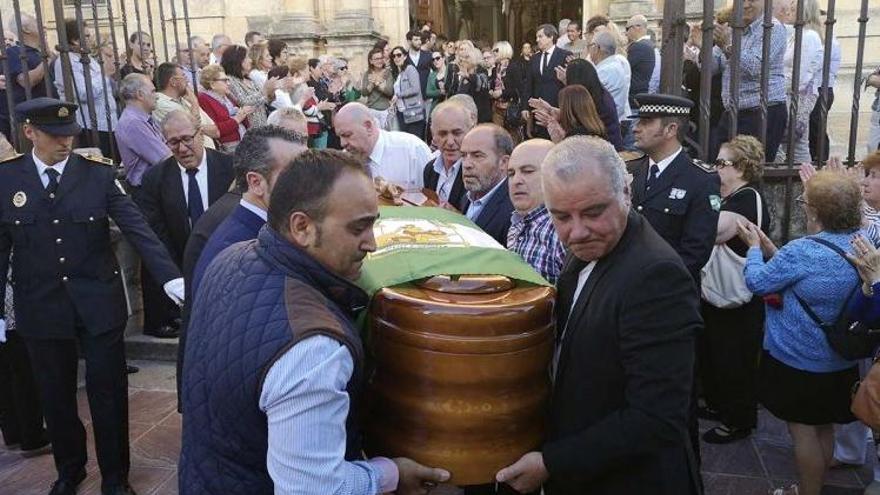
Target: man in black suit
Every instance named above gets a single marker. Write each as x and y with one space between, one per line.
485 152
176 192
541 81
450 122
56 208
627 312
640 55
420 58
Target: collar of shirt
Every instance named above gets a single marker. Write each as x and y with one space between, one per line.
42 166
201 180
378 149
485 199
203 165
256 210
550 53
440 167
757 25
645 37
662 164
516 217
137 113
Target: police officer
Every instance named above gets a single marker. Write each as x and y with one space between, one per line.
678 196
54 212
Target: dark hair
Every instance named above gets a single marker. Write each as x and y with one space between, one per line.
250 35
381 44
138 35
576 24
72 28
442 40
596 21
164 73
421 34
683 124
280 71
578 114
583 73
372 52
314 62
406 61
276 46
549 31
306 184
254 153
232 59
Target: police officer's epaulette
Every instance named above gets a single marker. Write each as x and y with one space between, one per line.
631 156
97 159
705 167
14 156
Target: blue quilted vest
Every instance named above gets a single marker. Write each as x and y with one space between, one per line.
256 301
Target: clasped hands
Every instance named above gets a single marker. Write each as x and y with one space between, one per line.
525 475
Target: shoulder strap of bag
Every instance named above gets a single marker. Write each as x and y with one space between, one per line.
812 314
757 202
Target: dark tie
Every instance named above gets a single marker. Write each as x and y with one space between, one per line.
194 202
652 175
544 59
52 186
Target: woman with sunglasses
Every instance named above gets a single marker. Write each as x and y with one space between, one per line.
473 80
408 93
730 343
436 89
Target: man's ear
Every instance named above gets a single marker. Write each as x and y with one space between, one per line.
302 229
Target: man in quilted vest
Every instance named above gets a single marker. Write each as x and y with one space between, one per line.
274 363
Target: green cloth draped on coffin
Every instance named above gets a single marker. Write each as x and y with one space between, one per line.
417 243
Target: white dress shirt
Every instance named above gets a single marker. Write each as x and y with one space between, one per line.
541 58
256 210
476 206
446 179
41 168
400 158
201 180
583 276
614 73
664 163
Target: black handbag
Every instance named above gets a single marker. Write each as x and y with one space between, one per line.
850 339
513 115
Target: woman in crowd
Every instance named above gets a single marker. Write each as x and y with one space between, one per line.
436 91
140 56
583 73
731 341
473 80
801 379
507 87
261 63
577 116
278 52
408 93
217 101
319 132
526 51
237 65
377 86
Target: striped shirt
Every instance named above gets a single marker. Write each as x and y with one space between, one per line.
533 237
871 224
751 56
306 404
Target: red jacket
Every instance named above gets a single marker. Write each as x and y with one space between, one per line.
227 126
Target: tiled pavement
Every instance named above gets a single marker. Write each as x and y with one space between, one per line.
747 467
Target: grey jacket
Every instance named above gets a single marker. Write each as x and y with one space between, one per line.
409 94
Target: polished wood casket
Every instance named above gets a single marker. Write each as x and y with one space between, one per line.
461 376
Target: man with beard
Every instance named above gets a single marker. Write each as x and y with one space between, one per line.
485 153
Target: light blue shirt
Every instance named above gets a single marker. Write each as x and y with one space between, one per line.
615 74
306 404
476 206
98 95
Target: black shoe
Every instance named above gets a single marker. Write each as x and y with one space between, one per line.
129 369
163 332
124 489
65 486
706 412
725 434
29 452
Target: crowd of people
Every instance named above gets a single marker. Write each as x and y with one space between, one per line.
245 203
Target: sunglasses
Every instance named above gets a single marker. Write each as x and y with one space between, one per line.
721 163
437 59
397 55
343 68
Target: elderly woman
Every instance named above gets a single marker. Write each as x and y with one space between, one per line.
216 100
237 65
278 52
801 379
731 341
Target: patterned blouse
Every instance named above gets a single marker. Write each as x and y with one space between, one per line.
245 92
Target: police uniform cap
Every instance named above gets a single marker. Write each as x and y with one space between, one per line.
49 115
655 105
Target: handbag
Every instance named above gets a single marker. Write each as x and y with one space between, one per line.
723 284
851 340
866 401
413 114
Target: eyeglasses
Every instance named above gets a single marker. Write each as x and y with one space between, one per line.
721 163
495 50
343 68
222 79
184 140
437 59
397 55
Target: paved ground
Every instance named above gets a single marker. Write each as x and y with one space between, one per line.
748 467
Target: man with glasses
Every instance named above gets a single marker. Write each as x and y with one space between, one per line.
640 55
176 193
174 92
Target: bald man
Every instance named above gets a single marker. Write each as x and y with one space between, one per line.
397 157
640 55
531 233
31 74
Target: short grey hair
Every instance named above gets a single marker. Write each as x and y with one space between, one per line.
219 40
132 85
606 42
578 155
466 101
178 116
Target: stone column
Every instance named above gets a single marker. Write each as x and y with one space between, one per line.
295 22
353 16
624 9
352 32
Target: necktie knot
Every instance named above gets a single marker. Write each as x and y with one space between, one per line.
52 185
654 171
192 171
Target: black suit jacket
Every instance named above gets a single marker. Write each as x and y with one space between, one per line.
494 219
164 204
546 85
64 271
682 207
431 178
641 60
619 406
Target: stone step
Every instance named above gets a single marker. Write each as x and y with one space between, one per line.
140 346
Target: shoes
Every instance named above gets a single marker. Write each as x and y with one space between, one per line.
706 412
44 449
129 369
792 490
873 488
163 332
67 486
725 434
124 489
